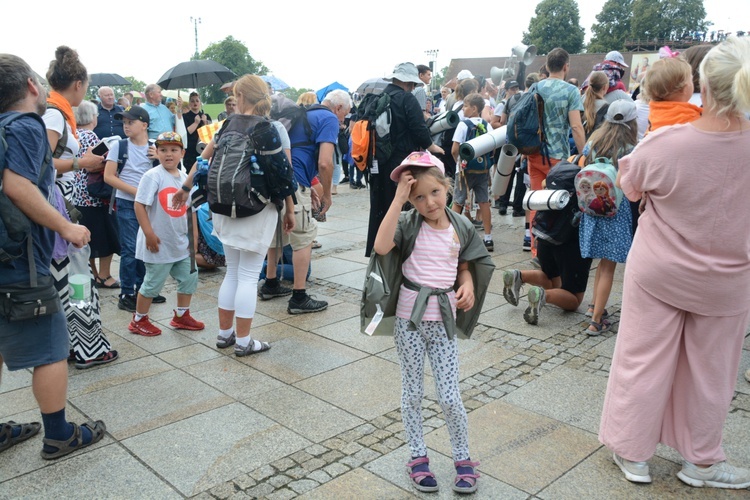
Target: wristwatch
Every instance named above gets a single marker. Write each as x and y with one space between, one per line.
76 167
186 188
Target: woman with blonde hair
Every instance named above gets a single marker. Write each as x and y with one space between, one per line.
307 98
245 240
685 313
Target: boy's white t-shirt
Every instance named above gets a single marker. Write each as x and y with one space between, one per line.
459 135
137 164
155 191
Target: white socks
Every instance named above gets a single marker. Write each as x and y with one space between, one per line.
225 334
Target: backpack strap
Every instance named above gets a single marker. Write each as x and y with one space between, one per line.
122 159
306 124
62 143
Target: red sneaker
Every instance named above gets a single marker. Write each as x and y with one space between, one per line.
186 322
144 327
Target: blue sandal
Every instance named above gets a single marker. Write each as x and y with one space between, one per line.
600 328
418 477
467 476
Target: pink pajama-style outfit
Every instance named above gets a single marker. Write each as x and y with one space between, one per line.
686 295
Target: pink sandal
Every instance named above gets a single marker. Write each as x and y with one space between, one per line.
417 477
468 477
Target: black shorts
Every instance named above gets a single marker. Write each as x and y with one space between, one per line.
564 261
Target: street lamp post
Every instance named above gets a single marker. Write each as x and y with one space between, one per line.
196 21
432 58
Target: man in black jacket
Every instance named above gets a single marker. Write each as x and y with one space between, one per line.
408 133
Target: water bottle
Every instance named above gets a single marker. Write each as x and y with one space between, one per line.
79 276
256 168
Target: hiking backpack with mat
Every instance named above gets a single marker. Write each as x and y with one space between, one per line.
371 132
526 124
480 164
559 226
249 169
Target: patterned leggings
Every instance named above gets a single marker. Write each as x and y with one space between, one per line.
430 338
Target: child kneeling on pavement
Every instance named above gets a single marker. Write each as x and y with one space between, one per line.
162 242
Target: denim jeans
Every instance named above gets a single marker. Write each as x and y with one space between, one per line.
353 170
132 270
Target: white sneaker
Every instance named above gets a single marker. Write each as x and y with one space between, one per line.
747 375
636 472
719 475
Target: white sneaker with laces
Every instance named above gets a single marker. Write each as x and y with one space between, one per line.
719 475
636 472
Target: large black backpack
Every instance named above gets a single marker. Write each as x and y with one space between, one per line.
15 227
249 169
526 124
559 226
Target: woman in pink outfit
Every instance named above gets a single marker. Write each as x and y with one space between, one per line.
685 310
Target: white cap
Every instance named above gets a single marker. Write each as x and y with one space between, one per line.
464 74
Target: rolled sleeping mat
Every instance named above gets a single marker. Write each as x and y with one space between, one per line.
546 199
504 170
444 121
485 143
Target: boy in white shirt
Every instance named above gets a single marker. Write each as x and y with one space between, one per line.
162 242
475 175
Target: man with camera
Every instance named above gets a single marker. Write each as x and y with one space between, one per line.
34 331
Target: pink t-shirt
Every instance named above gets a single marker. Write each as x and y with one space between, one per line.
692 246
433 263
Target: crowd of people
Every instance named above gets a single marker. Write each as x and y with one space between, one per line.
123 178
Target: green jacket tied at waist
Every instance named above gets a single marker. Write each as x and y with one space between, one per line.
383 279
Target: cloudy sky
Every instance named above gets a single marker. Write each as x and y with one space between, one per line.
303 47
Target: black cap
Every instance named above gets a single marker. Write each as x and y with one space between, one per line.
512 84
133 113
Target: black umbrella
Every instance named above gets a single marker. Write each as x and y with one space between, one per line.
373 85
102 79
194 74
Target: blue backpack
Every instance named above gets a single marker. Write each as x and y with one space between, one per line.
15 227
480 164
525 128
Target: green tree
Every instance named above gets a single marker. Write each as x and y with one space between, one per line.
667 19
612 27
234 55
120 90
293 93
556 24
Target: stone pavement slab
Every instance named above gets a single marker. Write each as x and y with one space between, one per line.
81 477
358 483
152 402
519 447
567 395
199 452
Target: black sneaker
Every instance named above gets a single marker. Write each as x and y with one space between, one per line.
266 292
489 245
519 213
502 210
127 303
159 299
308 305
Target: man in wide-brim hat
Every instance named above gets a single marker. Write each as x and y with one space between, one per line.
408 133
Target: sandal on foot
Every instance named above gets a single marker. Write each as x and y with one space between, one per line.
254 347
469 477
590 312
599 328
416 478
27 430
105 358
66 447
102 282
